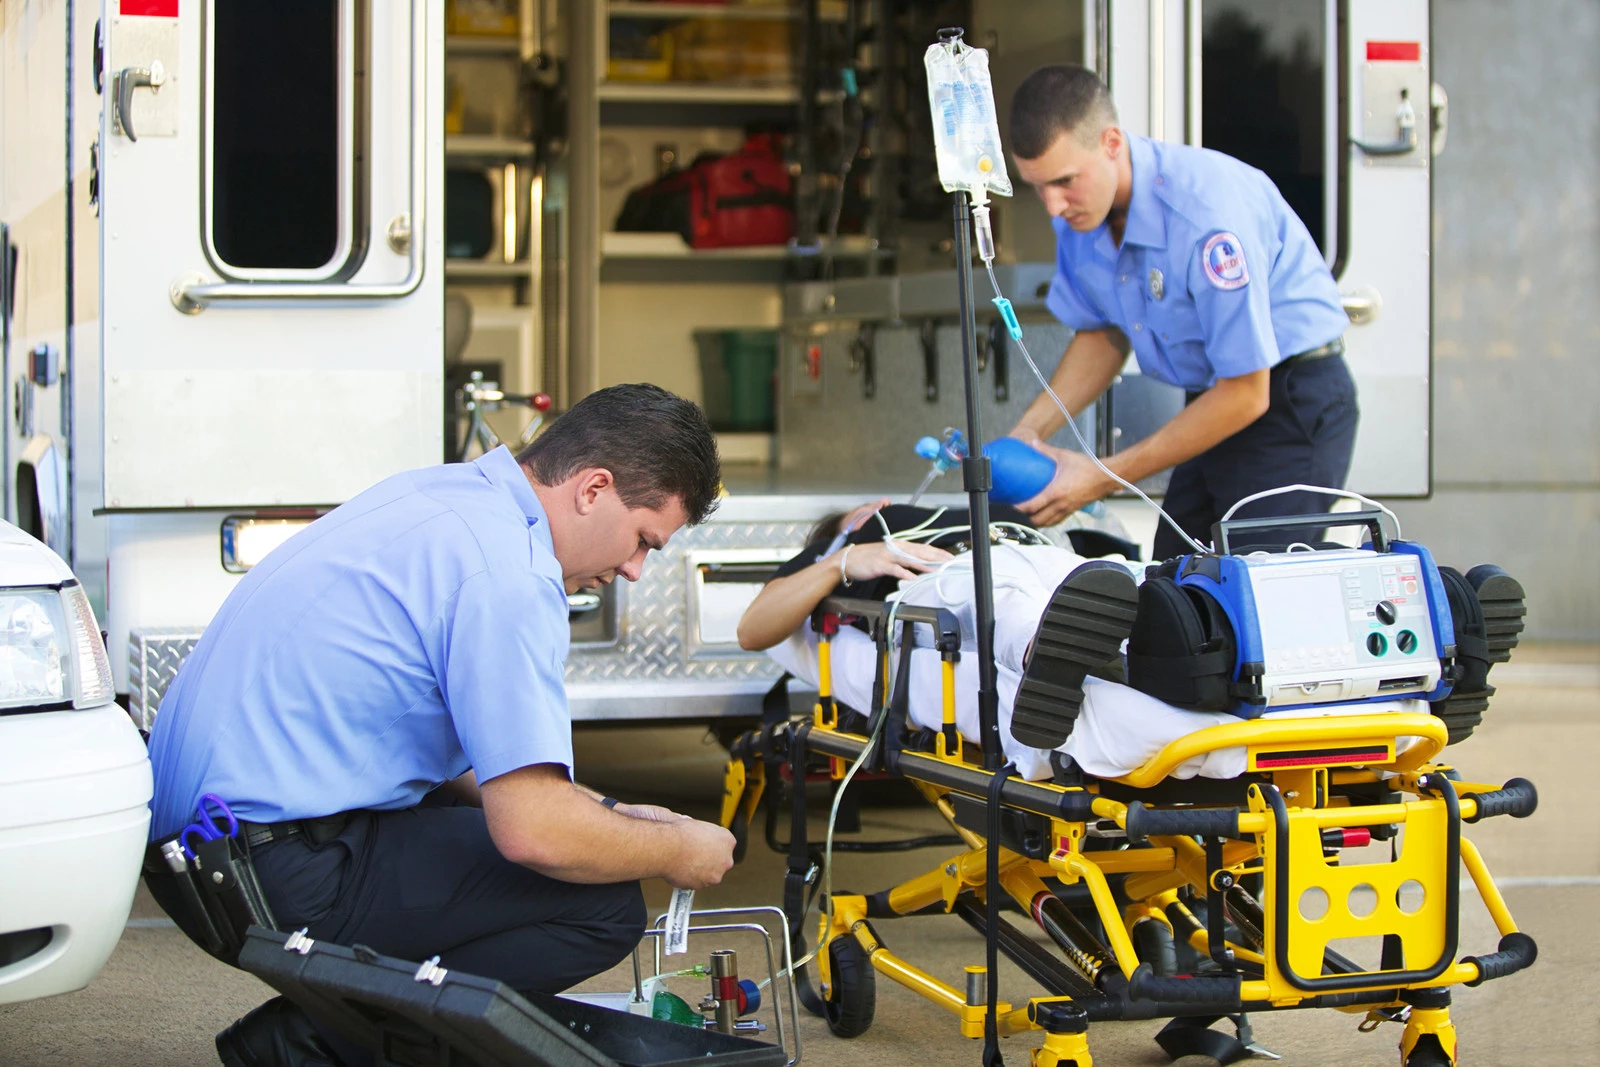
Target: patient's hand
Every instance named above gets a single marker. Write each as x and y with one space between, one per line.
853 519
875 560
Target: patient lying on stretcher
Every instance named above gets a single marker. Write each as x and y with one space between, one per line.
1060 620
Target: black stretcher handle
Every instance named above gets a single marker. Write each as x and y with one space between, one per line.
1215 992
1144 823
1372 520
1517 951
1517 798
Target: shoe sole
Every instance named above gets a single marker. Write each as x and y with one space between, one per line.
1504 608
1089 616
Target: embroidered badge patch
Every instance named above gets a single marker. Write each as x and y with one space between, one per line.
1222 256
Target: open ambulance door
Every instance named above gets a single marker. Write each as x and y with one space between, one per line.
271 249
1333 100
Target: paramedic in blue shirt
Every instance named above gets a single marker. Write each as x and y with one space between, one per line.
1220 290
381 703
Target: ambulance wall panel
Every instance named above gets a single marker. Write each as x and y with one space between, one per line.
1516 238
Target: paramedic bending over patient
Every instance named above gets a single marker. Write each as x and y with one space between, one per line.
1218 286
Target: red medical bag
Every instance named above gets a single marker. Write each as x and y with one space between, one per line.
730 201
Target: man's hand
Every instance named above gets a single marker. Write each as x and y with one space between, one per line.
1027 436
1078 481
705 857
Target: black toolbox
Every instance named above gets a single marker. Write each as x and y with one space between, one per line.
425 1016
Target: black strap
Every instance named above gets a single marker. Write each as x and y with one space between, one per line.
1202 665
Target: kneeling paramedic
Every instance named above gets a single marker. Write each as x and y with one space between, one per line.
380 703
1216 282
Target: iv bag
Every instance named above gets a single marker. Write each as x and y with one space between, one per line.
966 133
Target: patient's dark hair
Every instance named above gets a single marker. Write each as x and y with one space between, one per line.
656 445
1058 99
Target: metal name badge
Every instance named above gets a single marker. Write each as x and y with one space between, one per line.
1158 285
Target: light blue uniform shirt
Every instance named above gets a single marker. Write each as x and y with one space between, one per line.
1216 277
415 632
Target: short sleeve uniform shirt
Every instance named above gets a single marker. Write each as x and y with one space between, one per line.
413 633
1216 276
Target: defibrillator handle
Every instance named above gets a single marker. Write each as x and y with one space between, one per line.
1372 520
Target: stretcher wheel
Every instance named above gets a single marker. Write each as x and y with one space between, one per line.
853 992
1428 1053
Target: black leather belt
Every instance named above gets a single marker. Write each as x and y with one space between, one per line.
317 831
1334 347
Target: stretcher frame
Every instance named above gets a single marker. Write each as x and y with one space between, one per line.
1305 778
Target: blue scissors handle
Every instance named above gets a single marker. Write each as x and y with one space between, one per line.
213 820
213 812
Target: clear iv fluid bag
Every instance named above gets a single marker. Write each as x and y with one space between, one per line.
966 131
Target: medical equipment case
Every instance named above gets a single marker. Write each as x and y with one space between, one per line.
425 1015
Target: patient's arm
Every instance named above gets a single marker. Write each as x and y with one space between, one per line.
784 603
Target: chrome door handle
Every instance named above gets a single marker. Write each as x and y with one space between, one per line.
1362 305
583 603
1405 123
127 80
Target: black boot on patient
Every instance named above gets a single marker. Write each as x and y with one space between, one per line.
1089 616
1487 606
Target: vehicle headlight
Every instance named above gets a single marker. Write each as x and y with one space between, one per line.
50 649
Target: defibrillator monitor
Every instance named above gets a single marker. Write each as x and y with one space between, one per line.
1332 626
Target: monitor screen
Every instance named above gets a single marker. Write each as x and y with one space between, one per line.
1300 611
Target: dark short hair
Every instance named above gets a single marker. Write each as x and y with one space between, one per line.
656 445
1054 100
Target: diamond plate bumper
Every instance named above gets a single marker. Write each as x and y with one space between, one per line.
655 668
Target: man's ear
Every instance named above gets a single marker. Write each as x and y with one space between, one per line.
1112 140
588 487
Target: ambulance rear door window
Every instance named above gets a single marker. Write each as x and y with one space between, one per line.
275 173
1264 97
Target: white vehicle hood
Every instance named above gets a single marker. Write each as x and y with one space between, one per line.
25 561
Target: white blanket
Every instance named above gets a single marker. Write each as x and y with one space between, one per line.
1118 729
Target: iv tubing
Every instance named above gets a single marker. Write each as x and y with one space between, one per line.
985 239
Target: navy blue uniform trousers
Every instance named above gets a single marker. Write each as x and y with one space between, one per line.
428 881
1305 437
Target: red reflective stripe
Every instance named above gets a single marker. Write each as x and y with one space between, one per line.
1318 759
161 9
1401 51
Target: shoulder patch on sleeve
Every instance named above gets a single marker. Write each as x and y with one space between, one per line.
1222 258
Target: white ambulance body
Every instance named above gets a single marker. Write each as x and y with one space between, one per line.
222 282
